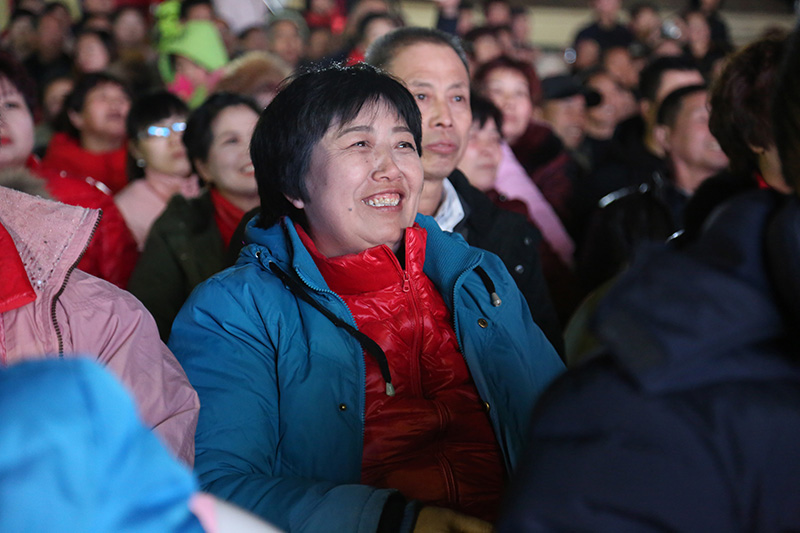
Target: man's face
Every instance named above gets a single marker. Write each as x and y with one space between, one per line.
440 85
670 81
689 142
567 116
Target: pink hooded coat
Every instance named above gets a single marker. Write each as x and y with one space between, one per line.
60 311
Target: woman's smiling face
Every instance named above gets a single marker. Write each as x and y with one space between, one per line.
364 182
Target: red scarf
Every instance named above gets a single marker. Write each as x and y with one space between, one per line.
226 215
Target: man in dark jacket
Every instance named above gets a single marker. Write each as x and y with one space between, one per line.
689 419
653 210
440 85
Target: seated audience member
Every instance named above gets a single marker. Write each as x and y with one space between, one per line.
482 46
563 106
256 75
699 45
741 113
52 97
371 27
441 86
688 420
49 307
19 37
286 37
425 359
654 210
603 33
91 140
93 51
50 58
515 89
620 65
187 243
636 155
86 460
159 165
111 254
190 59
720 35
645 24
481 164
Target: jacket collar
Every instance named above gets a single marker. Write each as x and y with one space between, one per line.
447 256
16 289
50 237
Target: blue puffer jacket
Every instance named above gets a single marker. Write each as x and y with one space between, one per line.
282 388
74 455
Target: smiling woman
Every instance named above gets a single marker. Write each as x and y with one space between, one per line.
357 365
187 243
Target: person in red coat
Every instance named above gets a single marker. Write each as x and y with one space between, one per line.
112 253
91 142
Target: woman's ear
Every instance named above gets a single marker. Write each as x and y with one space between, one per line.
202 171
134 150
299 204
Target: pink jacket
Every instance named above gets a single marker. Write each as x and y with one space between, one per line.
60 311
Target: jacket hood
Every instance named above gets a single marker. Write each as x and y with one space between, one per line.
50 237
706 314
73 451
197 40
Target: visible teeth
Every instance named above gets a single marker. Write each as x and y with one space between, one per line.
387 200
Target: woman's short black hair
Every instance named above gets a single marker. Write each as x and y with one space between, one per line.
300 115
741 102
199 134
17 75
145 111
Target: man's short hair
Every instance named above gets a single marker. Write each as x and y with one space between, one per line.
741 107
652 74
300 115
786 112
671 107
381 53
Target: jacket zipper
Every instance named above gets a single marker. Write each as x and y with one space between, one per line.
362 367
57 295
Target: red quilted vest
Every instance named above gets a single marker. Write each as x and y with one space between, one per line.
433 440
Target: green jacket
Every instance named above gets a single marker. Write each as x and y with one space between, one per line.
184 248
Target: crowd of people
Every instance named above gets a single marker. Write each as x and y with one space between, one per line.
360 275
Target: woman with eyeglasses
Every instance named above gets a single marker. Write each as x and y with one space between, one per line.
188 242
158 167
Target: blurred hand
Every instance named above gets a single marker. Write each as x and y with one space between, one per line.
440 520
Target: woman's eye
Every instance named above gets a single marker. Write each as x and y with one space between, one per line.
458 98
360 144
406 144
420 96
